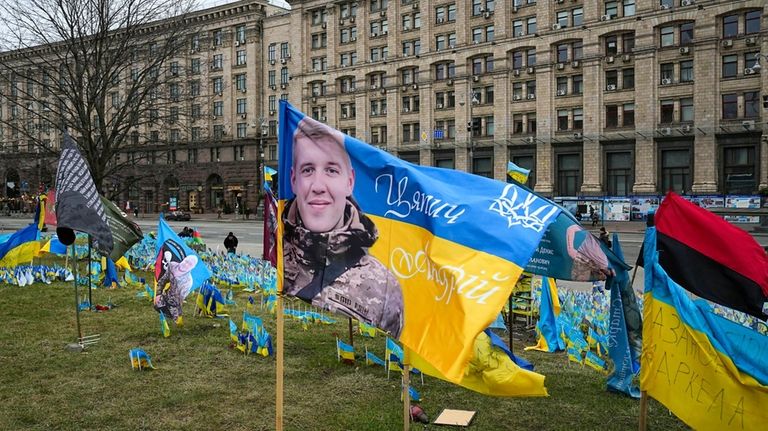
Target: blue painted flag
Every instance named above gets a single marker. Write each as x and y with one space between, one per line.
172 253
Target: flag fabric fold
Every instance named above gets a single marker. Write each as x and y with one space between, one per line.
20 247
125 233
707 370
78 204
548 327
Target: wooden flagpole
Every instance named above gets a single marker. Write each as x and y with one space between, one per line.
279 369
351 336
643 410
406 386
77 297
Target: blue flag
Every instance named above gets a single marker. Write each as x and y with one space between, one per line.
624 365
172 253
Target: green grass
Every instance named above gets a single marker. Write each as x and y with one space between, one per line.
201 383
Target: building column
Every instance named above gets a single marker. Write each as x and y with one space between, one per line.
706 103
646 119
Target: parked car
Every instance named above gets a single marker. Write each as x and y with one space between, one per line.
178 216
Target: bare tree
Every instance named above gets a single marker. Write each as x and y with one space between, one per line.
103 69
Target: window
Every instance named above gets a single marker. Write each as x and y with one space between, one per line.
240 33
348 110
242 106
562 53
578 84
730 66
240 82
347 84
577 16
568 174
730 106
667 111
284 77
444 159
410 103
409 75
739 169
562 18
667 36
271 77
628 115
751 104
530 89
241 133
445 13
319 16
411 132
173 114
686 71
527 162
378 5
611 79
482 163
628 7
218 109
578 50
562 85
667 72
627 43
445 100
618 167
319 40
611 116
517 28
411 21
611 45
562 120
319 64
348 10
378 107
676 170
218 61
686 109
752 22
578 119
482 65
240 58
517 90
750 59
730 26
628 78
612 8
379 28
197 111
686 33
517 123
530 25
218 37
443 41
379 135
218 85
284 51
517 60
348 35
272 51
411 47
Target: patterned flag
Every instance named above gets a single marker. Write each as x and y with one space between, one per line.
78 206
125 233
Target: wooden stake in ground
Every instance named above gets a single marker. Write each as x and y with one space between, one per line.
279 368
351 336
406 387
643 410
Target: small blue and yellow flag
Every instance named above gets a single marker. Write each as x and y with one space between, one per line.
372 359
164 328
366 330
140 360
517 173
592 361
344 351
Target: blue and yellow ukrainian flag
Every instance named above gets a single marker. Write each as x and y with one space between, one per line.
456 242
709 371
140 359
372 359
164 327
53 246
548 327
366 329
21 247
344 352
517 173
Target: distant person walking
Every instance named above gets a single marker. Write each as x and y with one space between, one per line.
230 243
605 237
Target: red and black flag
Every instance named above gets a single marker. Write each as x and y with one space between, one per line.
710 257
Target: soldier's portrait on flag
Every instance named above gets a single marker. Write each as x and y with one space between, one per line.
327 235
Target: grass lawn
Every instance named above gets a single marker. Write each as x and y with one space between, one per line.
201 383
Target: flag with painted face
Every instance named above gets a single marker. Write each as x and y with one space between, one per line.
78 204
402 247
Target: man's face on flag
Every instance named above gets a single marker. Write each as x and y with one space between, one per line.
322 179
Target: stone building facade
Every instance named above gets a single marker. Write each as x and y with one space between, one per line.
608 97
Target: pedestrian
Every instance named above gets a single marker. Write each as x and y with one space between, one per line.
605 237
595 218
230 243
219 212
136 212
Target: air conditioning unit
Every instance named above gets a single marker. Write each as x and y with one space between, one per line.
324 25
559 1
406 110
439 106
383 91
517 97
219 93
487 15
383 13
271 112
213 117
531 70
685 50
374 87
273 87
575 64
560 66
415 6
556 27
450 82
516 72
283 86
515 9
749 71
384 33
687 3
314 99
748 124
665 6
727 43
531 96
341 21
475 78
666 131
405 88
272 62
352 20
415 86
343 115
561 92
626 57
609 59
243 90
237 43
475 42
283 61
611 87
440 20
520 34
374 34
322 118
686 128
578 136
530 140
352 39
242 116
605 18
192 51
666 81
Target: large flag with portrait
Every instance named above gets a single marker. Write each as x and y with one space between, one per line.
428 255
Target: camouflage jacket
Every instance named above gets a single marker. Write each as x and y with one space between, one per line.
334 271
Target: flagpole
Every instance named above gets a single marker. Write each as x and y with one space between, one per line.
406 386
509 320
351 340
77 298
90 298
643 410
279 368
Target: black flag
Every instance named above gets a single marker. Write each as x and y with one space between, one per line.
78 206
